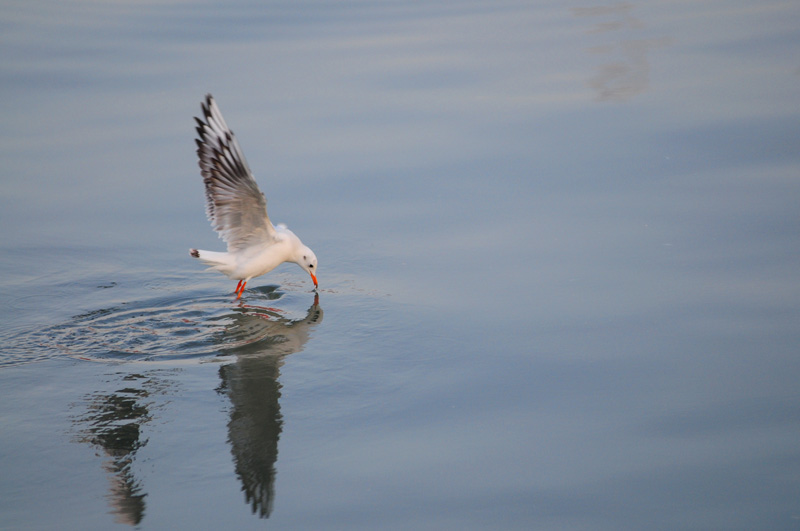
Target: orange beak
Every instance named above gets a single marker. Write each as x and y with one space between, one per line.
314 278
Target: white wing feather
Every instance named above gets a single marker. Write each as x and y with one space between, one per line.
235 206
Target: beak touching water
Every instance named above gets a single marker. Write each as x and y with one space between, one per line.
314 278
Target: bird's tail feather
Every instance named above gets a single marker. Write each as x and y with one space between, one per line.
222 262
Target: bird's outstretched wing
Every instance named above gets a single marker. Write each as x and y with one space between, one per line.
235 206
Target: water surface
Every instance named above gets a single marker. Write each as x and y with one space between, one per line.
558 275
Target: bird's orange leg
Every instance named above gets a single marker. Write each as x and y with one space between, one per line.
241 290
238 287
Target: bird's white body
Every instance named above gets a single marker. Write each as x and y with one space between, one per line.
238 210
256 260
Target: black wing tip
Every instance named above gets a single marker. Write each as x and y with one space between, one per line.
194 253
206 108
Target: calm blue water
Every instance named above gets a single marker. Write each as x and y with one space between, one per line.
559 272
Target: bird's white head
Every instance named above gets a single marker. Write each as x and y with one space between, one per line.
308 261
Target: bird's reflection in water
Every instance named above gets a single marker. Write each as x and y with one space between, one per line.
264 337
113 423
258 338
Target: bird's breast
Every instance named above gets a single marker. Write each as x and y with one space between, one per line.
263 260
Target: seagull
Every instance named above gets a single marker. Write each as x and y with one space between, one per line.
238 210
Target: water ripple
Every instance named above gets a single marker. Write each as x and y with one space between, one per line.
182 327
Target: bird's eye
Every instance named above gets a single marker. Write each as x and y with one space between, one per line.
311 265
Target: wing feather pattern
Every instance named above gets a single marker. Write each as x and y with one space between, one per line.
235 206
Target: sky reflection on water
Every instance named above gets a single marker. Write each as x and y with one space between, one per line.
558 261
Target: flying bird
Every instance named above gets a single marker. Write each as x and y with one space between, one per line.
238 210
